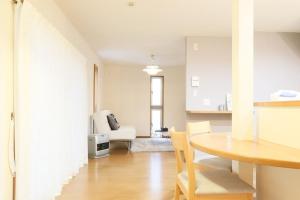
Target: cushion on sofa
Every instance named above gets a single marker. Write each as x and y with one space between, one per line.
113 123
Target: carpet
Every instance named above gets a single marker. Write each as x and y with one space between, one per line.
151 145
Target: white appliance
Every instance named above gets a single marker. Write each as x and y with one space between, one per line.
98 145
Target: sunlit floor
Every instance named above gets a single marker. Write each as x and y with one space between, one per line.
125 176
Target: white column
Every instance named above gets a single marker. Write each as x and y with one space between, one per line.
242 79
242 69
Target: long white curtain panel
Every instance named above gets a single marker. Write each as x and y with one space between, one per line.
51 107
6 99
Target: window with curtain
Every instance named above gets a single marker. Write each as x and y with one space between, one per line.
51 107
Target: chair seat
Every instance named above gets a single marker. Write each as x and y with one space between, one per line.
216 182
212 161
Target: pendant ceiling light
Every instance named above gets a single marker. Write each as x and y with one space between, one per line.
152 69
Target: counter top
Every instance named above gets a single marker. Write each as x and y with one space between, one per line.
277 104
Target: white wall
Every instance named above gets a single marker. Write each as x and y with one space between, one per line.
212 64
127 94
6 62
277 63
174 97
276 66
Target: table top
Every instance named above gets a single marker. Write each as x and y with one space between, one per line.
260 152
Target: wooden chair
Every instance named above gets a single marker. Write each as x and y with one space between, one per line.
214 162
204 185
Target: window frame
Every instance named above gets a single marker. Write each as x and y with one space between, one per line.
161 107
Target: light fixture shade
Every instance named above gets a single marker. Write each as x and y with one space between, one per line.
152 69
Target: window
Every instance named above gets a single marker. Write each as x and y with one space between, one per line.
157 105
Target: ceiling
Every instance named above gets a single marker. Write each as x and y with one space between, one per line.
126 35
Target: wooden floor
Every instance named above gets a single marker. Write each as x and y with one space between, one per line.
125 176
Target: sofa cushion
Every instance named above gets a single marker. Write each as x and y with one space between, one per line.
113 123
123 133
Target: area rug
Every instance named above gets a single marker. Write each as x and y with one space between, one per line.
151 145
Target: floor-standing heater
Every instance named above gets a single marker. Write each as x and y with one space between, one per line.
98 145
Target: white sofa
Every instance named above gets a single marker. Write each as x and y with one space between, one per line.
124 133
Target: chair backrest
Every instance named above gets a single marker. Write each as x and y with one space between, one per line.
184 156
194 128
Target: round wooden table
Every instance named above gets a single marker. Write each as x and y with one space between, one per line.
260 152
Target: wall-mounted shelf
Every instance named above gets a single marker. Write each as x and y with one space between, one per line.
208 112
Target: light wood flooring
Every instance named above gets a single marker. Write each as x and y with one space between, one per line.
125 176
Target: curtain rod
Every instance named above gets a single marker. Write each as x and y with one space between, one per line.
16 1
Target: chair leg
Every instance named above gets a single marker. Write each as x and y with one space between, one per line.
177 192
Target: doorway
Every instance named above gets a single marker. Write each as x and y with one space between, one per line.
156 105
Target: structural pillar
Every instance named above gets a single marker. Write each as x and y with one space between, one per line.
242 79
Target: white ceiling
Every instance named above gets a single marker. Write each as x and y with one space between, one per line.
128 35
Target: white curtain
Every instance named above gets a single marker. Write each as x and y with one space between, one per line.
6 66
51 108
